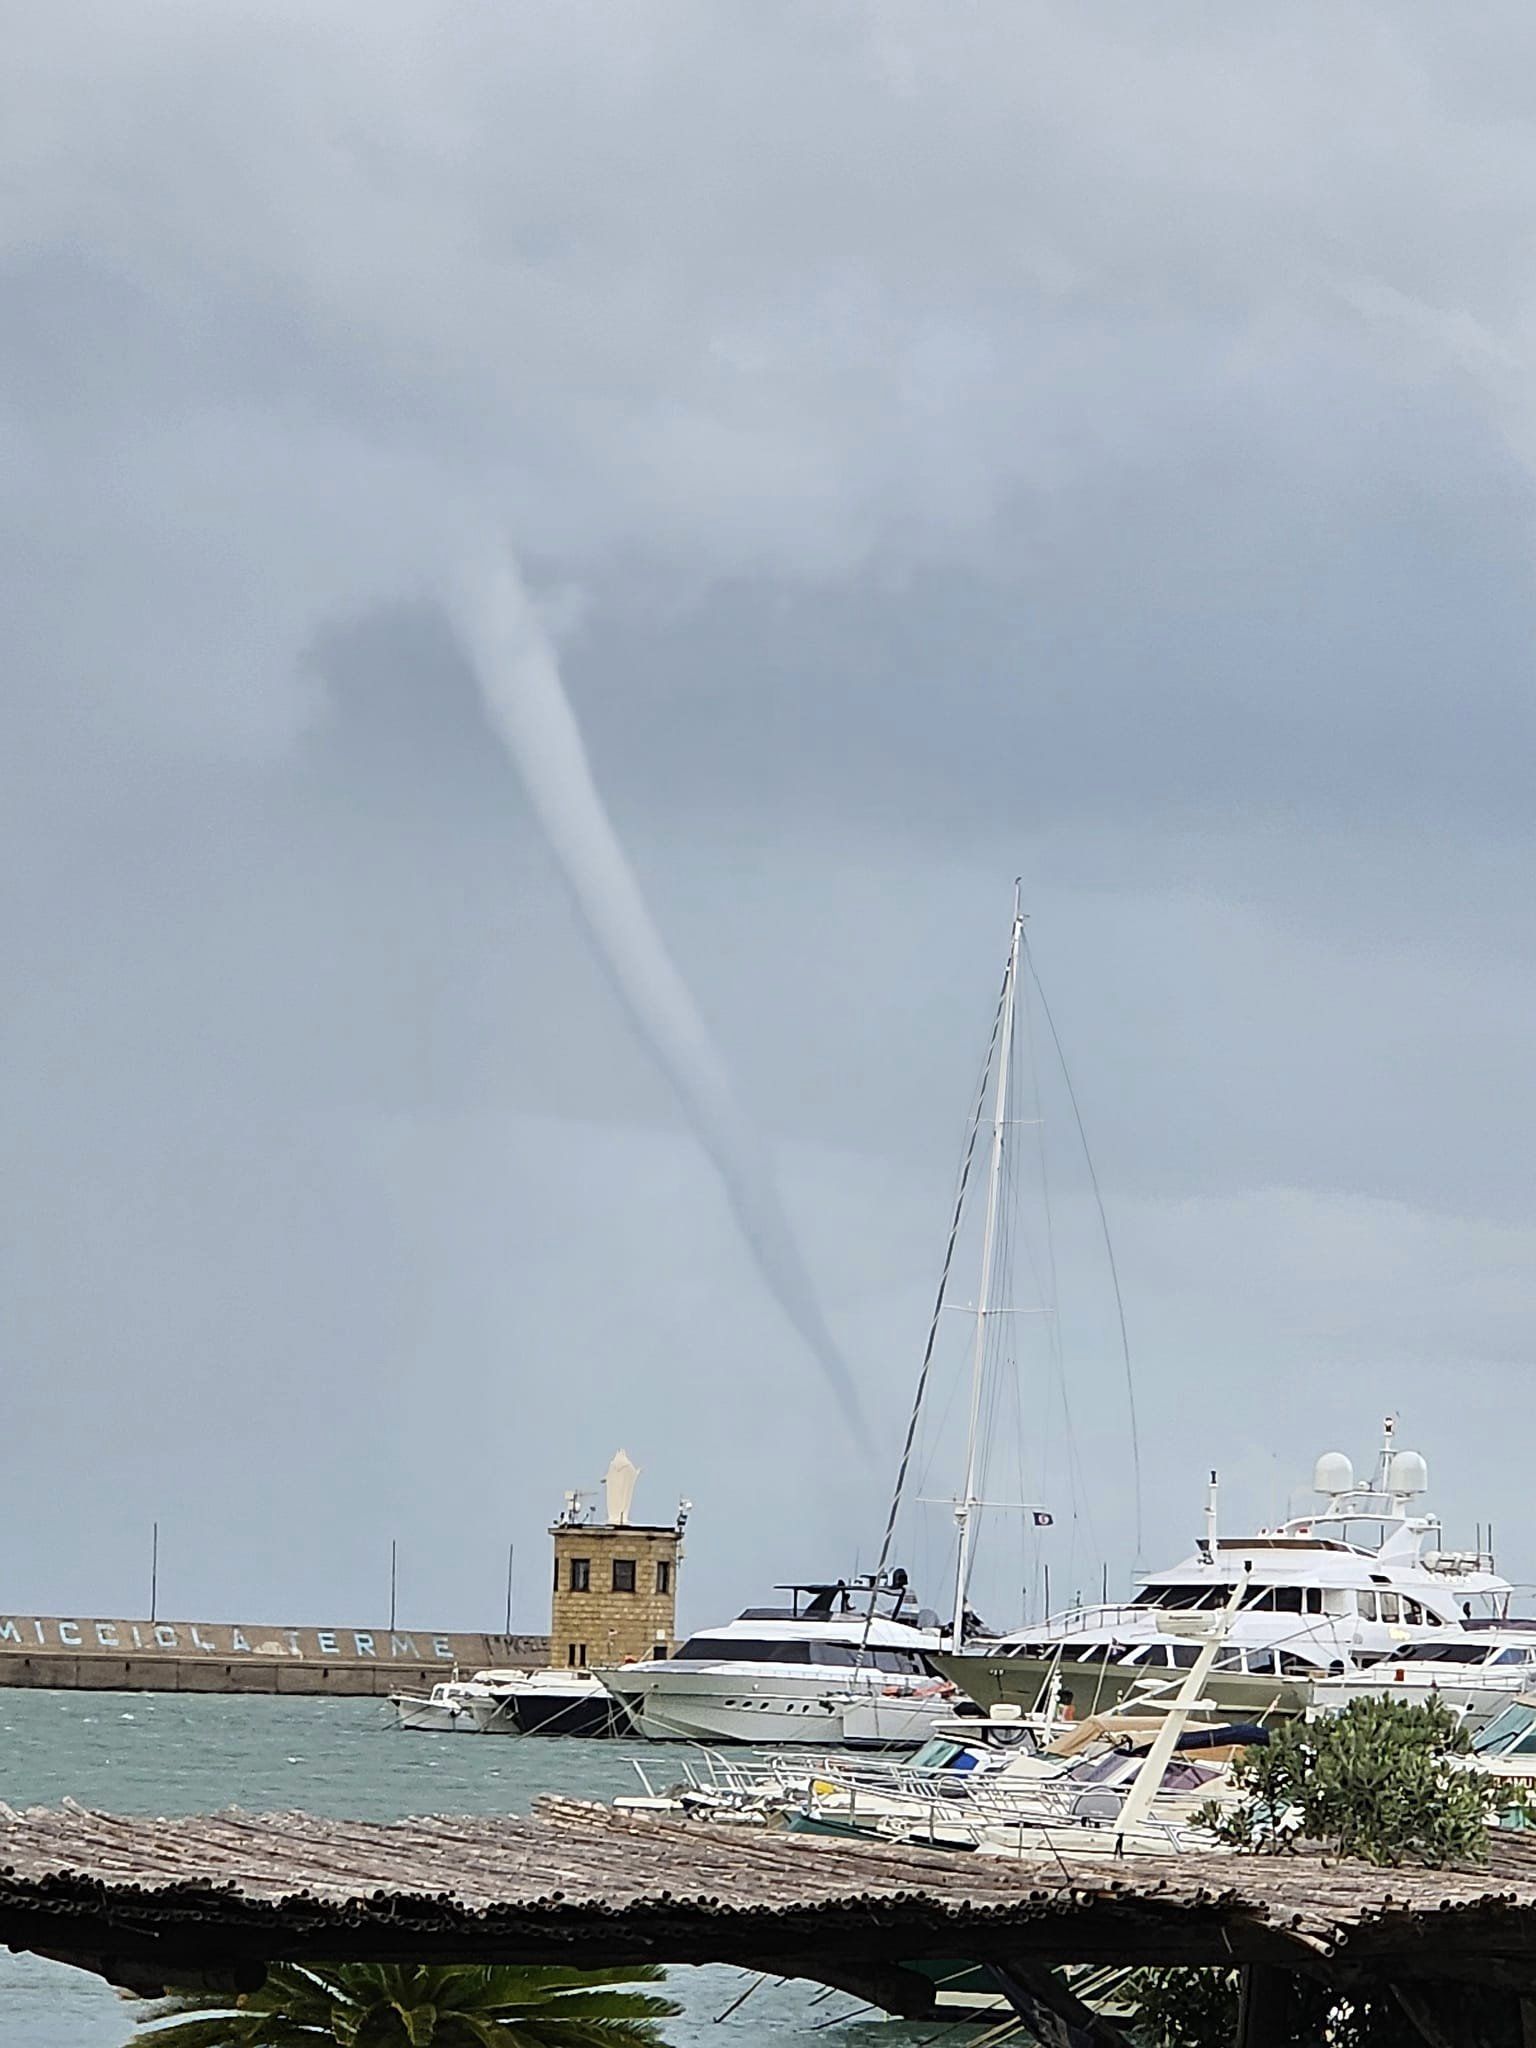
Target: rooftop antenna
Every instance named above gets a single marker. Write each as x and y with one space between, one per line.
1384 1466
1208 1543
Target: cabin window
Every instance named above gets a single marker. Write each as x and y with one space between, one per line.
663 1575
1274 1600
623 1575
906 1661
836 1653
1295 1667
1442 1653
1390 1605
1314 1600
658 1652
1189 1596
581 1574
744 1650
1365 1605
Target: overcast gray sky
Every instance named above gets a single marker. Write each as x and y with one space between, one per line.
949 443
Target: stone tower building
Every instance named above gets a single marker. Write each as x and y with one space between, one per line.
615 1594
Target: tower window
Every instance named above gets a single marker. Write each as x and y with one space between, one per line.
663 1575
581 1574
623 1575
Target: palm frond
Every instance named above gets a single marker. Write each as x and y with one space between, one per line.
388 2005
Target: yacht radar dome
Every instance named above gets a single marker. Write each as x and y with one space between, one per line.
1408 1473
1334 1474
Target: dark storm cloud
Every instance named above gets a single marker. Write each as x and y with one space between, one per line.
950 443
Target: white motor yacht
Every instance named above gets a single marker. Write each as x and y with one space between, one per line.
449 1708
788 1674
1475 1671
1505 1750
1360 1580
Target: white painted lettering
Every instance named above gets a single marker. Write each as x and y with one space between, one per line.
106 1634
293 1641
402 1646
166 1636
363 1645
9 1632
138 1640
441 1647
326 1638
197 1641
38 1628
238 1642
69 1632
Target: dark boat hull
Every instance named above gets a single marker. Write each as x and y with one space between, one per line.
595 1719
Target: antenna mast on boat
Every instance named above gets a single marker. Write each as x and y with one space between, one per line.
968 1502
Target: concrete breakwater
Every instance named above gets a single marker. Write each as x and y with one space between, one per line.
90 1655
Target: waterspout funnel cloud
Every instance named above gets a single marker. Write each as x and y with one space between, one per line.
519 680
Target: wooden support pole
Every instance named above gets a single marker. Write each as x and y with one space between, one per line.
1467 2015
1051 2010
1266 2007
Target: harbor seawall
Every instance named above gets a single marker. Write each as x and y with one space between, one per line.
80 1654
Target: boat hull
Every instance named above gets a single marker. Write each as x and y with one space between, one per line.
1101 1688
546 1710
1476 1703
433 1717
722 1707
719 1705
894 1721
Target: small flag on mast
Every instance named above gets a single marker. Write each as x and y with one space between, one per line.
1042 1519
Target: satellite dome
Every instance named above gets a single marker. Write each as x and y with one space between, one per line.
1408 1473
1333 1474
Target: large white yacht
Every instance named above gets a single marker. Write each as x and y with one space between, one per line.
1475 1671
1357 1581
788 1674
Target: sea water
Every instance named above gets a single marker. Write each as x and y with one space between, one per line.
170 1753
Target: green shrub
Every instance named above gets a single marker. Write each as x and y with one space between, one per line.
1375 1781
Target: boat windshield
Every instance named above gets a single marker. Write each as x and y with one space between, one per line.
1448 1653
1179 1774
789 1650
1511 1733
942 1755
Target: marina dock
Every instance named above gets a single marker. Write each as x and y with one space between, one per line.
212 1900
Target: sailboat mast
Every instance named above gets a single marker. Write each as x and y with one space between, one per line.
966 1505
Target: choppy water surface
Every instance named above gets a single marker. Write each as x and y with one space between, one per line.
169 1754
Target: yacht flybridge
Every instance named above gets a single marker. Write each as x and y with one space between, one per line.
1333 1591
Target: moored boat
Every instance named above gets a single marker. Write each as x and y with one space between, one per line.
1474 1671
550 1703
1332 1593
449 1708
791 1674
